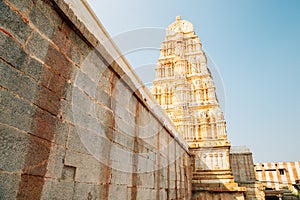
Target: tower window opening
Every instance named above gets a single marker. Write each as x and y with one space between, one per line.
281 171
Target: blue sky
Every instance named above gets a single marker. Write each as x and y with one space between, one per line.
255 48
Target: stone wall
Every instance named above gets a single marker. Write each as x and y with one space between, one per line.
241 162
76 123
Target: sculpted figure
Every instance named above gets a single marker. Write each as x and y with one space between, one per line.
179 51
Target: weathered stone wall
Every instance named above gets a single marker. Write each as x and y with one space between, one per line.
74 123
201 195
242 166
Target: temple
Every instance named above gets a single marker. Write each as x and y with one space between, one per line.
185 89
77 122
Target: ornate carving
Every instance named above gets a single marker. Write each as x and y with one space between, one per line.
185 88
179 50
181 26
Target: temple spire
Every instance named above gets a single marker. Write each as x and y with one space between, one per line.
182 69
185 88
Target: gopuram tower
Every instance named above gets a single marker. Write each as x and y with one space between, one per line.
185 89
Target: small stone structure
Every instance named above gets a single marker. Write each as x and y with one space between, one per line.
241 163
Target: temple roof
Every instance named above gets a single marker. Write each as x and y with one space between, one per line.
181 26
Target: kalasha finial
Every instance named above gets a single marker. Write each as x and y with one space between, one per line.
178 18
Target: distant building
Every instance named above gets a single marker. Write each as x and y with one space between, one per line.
278 178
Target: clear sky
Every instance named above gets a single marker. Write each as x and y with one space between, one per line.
255 46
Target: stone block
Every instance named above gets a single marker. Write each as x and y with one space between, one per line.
41 22
13 148
121 158
76 56
37 157
124 126
54 189
68 92
74 141
149 137
61 133
103 114
122 95
73 73
59 63
85 83
84 191
23 6
13 23
164 140
11 51
146 180
84 48
61 39
117 191
30 187
43 125
172 193
48 100
15 112
88 168
108 75
68 173
144 164
123 167
97 145
163 173
9 185
90 123
148 127
47 9
38 46
94 67
121 100
145 193
121 177
53 82
103 97
110 61
15 81
34 69
132 104
121 111
124 140
66 111
162 194
56 162
82 101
